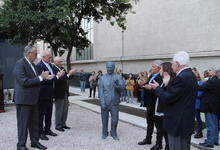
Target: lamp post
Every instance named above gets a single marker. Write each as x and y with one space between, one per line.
122 50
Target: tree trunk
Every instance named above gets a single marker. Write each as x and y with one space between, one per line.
54 49
70 48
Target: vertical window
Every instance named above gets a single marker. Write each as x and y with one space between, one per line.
86 53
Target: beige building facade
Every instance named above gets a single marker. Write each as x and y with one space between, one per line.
157 30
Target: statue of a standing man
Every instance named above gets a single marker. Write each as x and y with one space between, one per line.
110 88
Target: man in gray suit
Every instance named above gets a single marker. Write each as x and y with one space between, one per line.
27 84
110 86
61 93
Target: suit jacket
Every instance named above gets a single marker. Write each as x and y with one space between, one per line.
46 86
61 85
210 100
150 97
110 87
179 99
27 84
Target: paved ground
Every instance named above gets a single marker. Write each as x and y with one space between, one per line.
85 133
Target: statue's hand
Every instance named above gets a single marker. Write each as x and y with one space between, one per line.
116 84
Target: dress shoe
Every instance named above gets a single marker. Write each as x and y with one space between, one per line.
156 147
198 135
167 147
60 129
22 148
144 142
66 127
51 133
43 137
216 144
104 136
115 138
206 145
39 146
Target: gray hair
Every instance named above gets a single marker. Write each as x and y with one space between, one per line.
216 69
57 58
28 49
45 52
182 58
157 63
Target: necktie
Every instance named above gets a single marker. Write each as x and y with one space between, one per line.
153 77
50 69
58 68
32 66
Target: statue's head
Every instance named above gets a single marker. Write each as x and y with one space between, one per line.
110 66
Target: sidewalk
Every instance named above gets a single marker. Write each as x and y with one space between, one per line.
85 132
125 117
134 120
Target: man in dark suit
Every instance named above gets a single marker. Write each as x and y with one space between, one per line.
210 105
150 100
46 96
27 85
179 99
61 95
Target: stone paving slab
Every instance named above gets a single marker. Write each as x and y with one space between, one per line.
125 117
85 133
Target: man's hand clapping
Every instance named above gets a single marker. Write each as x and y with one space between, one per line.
60 73
72 71
154 85
49 77
44 75
147 86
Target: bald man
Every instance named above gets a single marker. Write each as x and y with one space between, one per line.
61 95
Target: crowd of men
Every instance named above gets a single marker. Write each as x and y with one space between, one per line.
170 97
35 87
174 96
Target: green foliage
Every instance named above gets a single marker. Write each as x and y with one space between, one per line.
58 22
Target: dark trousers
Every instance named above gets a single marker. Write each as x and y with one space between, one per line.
199 121
27 119
218 122
179 143
160 131
142 97
61 112
212 128
45 114
90 91
150 121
